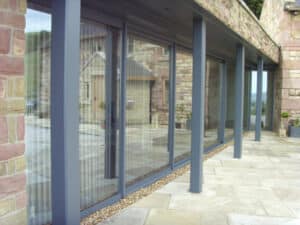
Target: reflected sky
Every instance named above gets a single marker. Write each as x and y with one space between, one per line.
37 21
254 82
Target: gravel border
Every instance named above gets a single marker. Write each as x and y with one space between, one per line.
111 210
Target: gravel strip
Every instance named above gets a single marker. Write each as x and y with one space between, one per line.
111 210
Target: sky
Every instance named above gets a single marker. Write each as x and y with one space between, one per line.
254 82
37 21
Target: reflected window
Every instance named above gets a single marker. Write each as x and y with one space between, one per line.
147 112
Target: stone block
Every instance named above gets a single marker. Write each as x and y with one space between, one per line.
11 65
18 43
19 87
5 4
12 125
20 128
3 168
2 87
7 206
11 168
296 27
4 40
3 129
12 19
10 88
22 4
17 218
8 151
291 83
20 164
292 92
21 200
16 105
12 185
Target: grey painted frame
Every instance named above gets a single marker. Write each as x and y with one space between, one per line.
260 68
172 104
239 100
223 103
198 100
64 112
122 116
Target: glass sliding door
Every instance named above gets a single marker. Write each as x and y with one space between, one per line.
212 102
183 114
37 116
230 102
146 109
98 134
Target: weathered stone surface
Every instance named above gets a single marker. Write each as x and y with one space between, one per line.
284 27
237 16
12 160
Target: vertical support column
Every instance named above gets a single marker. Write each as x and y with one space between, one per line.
223 103
239 100
260 68
111 103
172 108
249 92
65 73
122 117
270 101
198 98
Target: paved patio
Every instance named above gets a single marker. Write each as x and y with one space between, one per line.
263 188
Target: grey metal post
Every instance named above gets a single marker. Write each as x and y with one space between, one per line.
122 134
111 104
239 100
272 100
172 108
65 63
198 98
249 100
223 103
260 68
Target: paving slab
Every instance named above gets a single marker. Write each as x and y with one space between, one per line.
262 188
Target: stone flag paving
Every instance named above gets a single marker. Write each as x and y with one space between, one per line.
263 188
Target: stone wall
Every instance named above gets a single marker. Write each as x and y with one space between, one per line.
286 30
237 16
12 162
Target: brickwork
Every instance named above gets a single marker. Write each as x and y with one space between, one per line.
286 30
12 161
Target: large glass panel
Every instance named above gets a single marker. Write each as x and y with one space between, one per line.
99 60
212 102
147 109
184 76
37 116
230 102
253 99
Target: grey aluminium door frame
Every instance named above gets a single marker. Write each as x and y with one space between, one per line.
65 71
172 104
223 103
198 103
122 116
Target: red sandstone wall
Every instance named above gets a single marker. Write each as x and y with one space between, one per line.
12 161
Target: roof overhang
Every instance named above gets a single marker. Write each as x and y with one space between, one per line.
172 20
